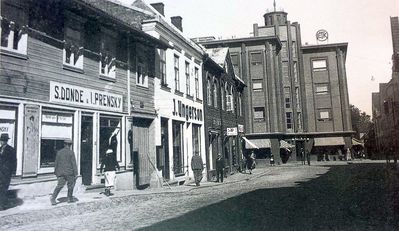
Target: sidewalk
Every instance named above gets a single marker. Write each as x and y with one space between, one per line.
95 197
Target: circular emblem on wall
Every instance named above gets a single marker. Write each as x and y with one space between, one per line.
322 35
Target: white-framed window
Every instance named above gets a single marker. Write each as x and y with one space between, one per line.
240 104
197 90
322 90
14 36
177 77
73 51
259 113
187 71
142 74
284 50
162 67
285 69
257 86
294 49
215 93
319 65
229 105
107 55
324 115
296 72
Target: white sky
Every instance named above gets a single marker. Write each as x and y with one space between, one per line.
364 24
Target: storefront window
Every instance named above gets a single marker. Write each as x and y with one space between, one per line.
196 139
110 136
56 127
178 160
7 124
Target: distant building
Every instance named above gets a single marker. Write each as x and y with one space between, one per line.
328 116
385 103
284 110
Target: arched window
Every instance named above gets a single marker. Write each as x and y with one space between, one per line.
222 95
228 100
208 92
232 99
215 93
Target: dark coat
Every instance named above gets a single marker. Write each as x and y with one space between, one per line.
8 162
219 164
109 163
196 163
65 163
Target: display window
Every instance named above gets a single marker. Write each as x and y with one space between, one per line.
178 136
55 129
110 136
8 124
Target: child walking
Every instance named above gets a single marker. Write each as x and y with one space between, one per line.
109 164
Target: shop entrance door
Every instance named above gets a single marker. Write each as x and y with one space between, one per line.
86 149
165 148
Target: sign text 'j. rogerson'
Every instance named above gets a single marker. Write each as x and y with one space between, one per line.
85 97
189 112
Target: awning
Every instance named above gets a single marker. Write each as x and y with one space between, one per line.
285 144
256 143
329 141
357 142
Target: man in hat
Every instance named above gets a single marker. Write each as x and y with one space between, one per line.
197 166
8 165
65 170
219 168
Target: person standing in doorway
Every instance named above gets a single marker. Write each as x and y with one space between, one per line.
302 152
66 171
197 166
219 168
8 164
109 164
308 157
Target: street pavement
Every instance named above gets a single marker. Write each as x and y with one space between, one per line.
130 210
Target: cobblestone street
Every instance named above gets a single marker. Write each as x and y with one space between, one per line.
135 211
361 195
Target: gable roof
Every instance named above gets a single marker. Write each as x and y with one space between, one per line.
218 55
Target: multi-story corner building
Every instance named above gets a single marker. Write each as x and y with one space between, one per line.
282 105
256 60
328 117
224 114
85 73
179 131
385 103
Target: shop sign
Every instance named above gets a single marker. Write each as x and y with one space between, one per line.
85 97
186 111
241 128
232 131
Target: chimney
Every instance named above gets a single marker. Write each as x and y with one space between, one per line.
159 7
177 22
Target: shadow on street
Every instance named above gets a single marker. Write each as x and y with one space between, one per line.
349 197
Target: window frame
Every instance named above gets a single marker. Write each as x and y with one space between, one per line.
256 111
321 67
176 64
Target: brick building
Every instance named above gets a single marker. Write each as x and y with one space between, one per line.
223 108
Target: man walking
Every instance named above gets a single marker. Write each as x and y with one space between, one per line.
8 164
219 168
197 166
66 171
